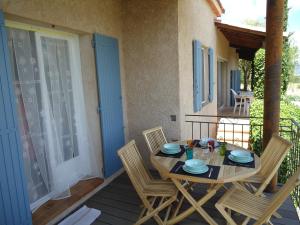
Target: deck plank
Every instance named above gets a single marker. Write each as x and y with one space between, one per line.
120 205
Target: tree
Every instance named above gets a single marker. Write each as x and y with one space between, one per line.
289 56
246 70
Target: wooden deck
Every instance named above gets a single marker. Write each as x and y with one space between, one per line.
120 205
54 210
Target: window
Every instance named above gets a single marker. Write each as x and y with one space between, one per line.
205 75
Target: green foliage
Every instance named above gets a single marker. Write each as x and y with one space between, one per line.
259 74
289 56
295 79
287 111
245 67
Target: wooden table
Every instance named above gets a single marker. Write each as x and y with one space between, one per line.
227 174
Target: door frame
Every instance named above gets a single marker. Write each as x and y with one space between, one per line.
222 77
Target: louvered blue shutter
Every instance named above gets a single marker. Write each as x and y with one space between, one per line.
198 76
238 80
14 204
110 101
211 74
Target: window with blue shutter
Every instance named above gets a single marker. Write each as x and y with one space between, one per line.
198 75
211 74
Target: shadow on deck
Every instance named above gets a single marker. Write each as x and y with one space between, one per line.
120 205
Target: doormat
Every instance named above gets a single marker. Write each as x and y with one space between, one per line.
83 216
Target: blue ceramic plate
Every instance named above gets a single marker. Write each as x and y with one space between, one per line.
203 169
240 160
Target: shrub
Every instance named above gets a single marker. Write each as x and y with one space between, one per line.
287 111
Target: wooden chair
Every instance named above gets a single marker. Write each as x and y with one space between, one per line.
238 101
259 208
271 160
155 138
156 195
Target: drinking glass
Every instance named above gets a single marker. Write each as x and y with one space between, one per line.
189 153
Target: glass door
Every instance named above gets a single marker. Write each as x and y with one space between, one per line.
51 111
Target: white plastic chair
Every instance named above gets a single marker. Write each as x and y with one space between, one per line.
238 101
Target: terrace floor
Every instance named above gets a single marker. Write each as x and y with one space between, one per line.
120 205
228 112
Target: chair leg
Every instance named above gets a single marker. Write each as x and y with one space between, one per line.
178 206
225 214
154 212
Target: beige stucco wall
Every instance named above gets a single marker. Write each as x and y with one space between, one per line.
150 40
196 21
155 39
84 18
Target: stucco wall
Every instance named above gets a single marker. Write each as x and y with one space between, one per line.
150 39
84 18
196 21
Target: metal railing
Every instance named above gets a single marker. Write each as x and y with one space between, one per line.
247 132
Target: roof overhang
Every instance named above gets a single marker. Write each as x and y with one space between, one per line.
246 40
216 6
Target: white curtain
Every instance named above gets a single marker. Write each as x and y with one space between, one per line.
51 113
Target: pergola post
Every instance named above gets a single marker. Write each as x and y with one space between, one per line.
274 41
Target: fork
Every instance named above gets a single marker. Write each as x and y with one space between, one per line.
210 172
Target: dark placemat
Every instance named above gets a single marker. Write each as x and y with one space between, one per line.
197 144
178 155
229 162
214 175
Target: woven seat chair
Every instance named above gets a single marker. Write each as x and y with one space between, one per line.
155 138
259 208
156 195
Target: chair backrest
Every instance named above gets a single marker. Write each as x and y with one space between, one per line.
233 92
155 138
281 195
135 167
272 158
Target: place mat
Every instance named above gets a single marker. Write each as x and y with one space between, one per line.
177 169
229 162
177 155
197 144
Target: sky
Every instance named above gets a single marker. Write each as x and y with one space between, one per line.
237 11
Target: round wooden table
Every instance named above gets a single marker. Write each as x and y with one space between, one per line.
227 173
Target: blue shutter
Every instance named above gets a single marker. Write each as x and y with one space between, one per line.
14 204
238 80
111 112
235 83
198 76
211 74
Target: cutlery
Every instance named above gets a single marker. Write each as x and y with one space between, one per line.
210 171
178 168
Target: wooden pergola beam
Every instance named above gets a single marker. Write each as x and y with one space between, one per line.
245 40
274 42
